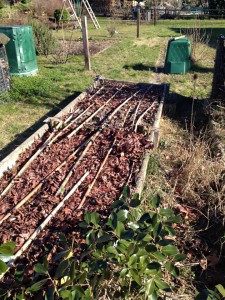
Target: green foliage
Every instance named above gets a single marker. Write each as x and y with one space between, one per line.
61 15
29 89
130 249
6 252
216 4
45 43
153 164
3 3
4 97
217 294
149 4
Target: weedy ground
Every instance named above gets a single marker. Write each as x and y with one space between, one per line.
189 179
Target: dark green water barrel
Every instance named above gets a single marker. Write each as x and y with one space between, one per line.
20 50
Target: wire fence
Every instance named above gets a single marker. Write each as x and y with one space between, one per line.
4 70
162 13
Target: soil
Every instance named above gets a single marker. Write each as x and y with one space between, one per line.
75 47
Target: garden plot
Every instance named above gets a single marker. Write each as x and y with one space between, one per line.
80 161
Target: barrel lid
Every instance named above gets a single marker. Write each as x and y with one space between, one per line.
16 26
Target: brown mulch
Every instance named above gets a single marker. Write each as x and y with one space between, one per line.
121 168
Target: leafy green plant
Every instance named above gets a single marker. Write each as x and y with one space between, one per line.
45 43
164 144
6 253
129 254
3 3
28 89
61 15
217 294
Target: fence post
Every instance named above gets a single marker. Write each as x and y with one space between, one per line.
86 43
218 86
149 16
138 22
154 14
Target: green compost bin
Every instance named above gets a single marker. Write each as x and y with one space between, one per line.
20 50
178 56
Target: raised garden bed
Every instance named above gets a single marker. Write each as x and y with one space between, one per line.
79 161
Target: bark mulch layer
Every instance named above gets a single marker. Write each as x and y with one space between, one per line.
108 135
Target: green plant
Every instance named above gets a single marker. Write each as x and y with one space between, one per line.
153 164
6 253
148 4
164 144
61 15
3 3
129 254
4 97
217 294
45 43
29 89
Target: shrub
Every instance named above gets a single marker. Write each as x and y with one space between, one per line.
46 7
61 15
3 3
127 255
44 41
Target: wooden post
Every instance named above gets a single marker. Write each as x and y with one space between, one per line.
154 13
154 16
138 22
86 43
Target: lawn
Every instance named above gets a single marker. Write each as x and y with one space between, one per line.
128 58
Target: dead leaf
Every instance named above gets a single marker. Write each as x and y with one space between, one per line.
203 264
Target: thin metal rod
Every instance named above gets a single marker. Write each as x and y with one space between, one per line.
45 222
96 176
92 115
144 113
53 136
68 176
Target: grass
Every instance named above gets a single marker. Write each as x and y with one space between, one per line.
128 58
